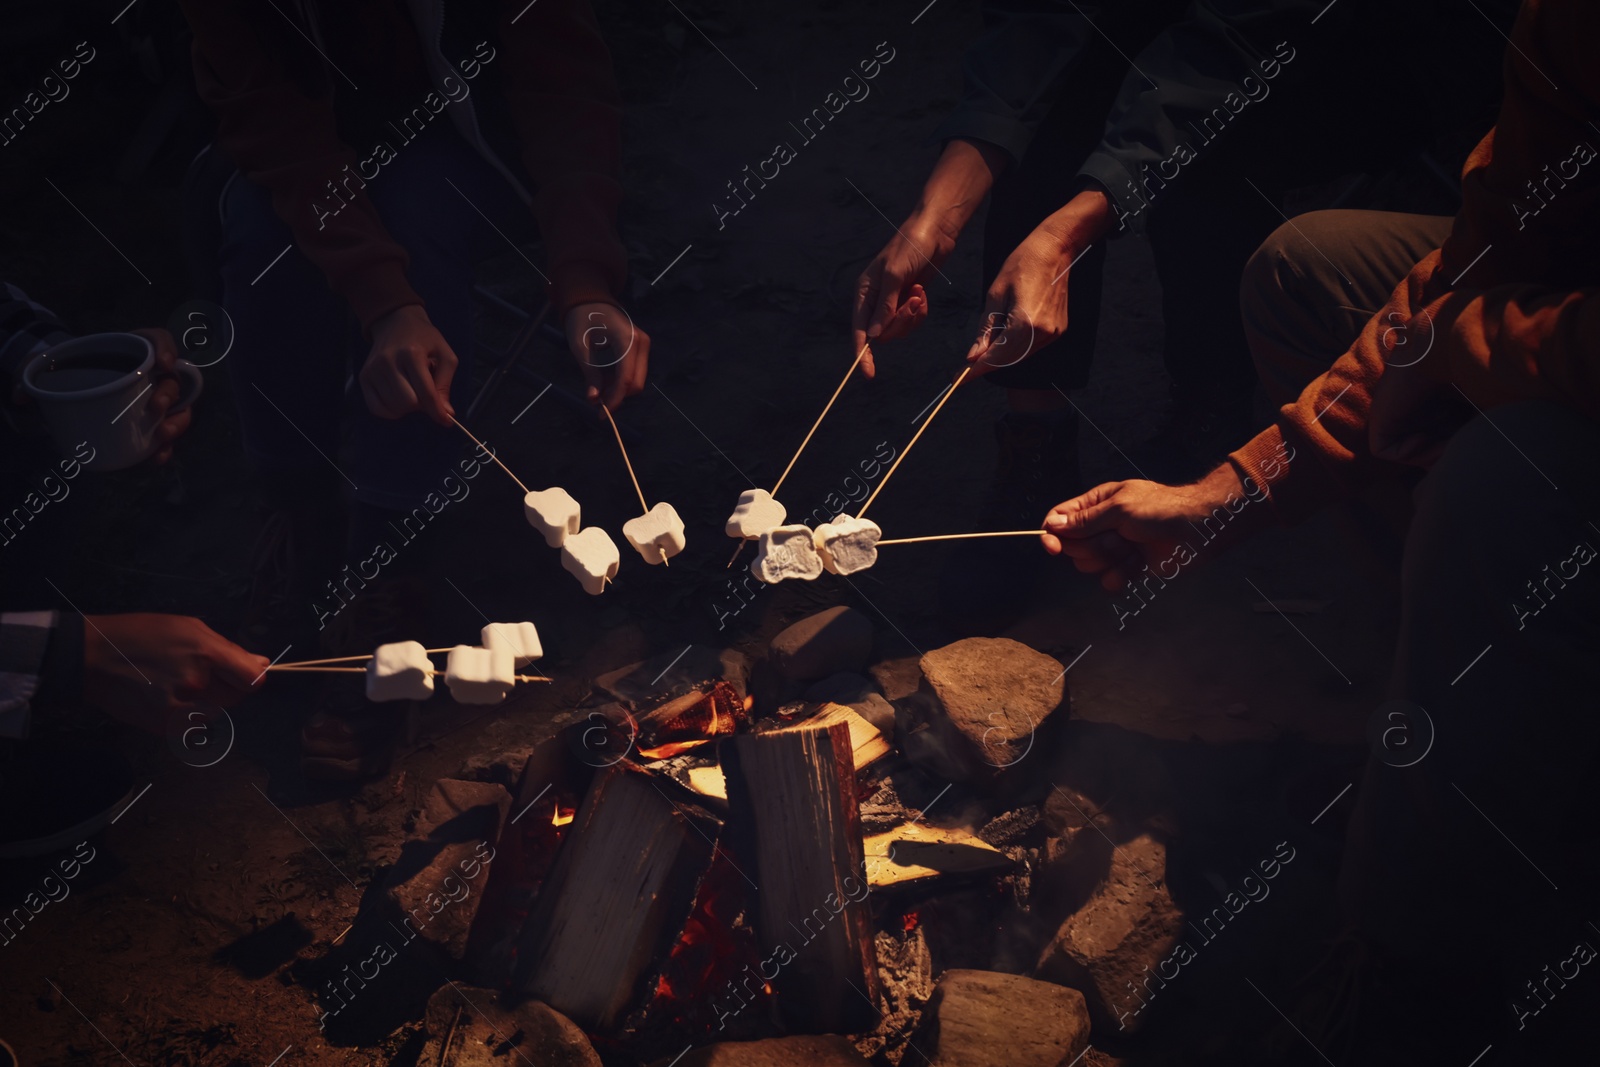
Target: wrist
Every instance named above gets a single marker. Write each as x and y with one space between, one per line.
1080 222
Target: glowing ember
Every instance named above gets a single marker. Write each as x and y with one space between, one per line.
910 921
560 817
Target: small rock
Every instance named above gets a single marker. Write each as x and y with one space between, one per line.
897 677
838 639
1113 945
483 1032
987 1019
824 1050
846 687
994 703
674 673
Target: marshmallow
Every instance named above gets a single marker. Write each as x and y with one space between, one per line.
521 639
848 545
553 513
480 675
787 552
592 557
657 534
756 514
401 671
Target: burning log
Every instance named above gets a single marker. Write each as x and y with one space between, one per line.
619 895
792 791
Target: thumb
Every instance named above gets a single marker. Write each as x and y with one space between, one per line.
1095 512
593 377
997 308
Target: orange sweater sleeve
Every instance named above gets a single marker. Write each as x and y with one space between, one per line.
1507 308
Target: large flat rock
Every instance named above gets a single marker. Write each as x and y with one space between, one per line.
987 709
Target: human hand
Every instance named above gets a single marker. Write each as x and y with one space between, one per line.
891 300
142 669
1026 305
409 368
1117 529
612 352
166 394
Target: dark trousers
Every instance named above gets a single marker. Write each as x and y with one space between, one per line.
1469 854
298 344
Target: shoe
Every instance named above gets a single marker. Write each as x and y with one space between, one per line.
55 794
988 584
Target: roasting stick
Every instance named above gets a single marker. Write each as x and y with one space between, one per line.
825 409
343 659
959 537
644 504
914 437
291 669
483 448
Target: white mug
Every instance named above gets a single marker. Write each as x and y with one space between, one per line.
97 389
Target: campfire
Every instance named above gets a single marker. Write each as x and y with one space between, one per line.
696 868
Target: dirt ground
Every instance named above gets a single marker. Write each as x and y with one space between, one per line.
189 938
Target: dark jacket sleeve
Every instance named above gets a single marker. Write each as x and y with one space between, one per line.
1190 82
1012 74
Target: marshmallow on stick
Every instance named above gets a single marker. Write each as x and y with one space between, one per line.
553 513
756 513
592 557
847 545
521 639
480 675
401 671
787 552
657 534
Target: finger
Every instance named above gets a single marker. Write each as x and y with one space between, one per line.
1083 516
390 396
996 308
444 373
888 302
593 377
170 429
869 366
163 397
166 349
418 375
866 300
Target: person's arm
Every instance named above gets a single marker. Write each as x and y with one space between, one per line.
1011 77
567 110
1012 74
1490 308
1221 58
270 91
25 328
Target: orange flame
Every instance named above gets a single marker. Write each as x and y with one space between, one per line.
560 818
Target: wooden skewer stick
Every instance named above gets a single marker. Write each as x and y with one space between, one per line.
363 670
343 659
825 408
914 437
960 536
737 550
629 463
483 448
